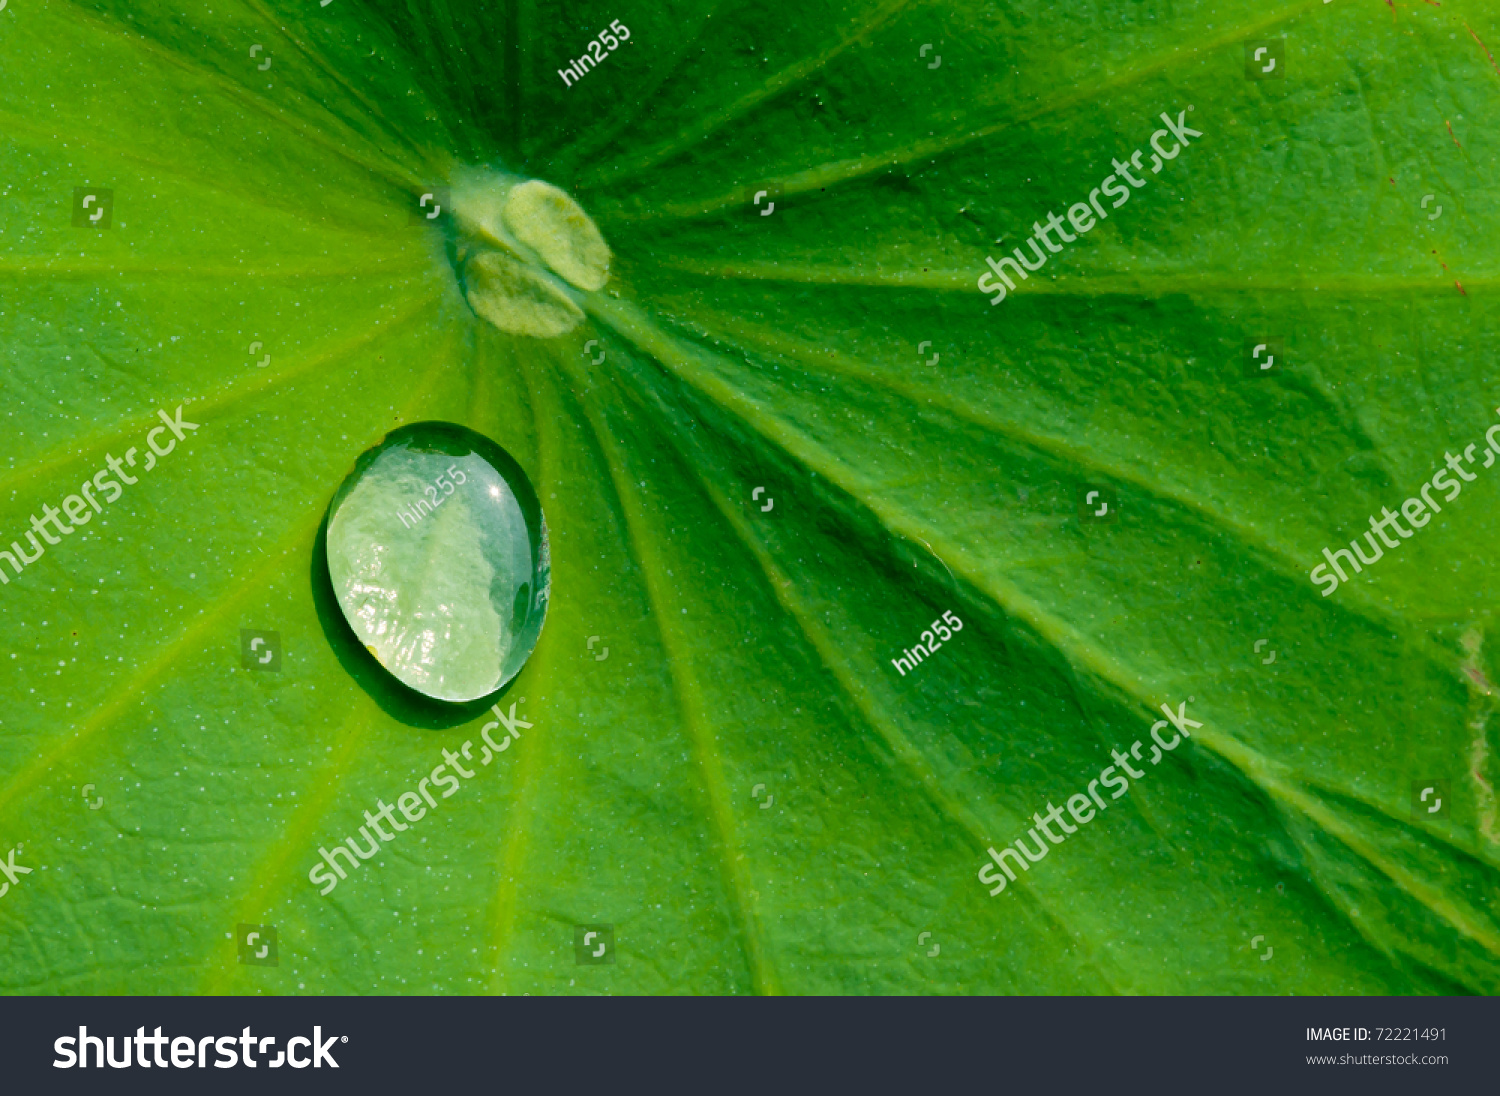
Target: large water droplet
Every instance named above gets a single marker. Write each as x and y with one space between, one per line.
437 549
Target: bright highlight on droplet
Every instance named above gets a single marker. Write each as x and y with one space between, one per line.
437 549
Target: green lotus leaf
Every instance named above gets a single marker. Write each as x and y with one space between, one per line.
733 331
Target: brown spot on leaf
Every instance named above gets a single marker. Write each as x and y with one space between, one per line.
1484 47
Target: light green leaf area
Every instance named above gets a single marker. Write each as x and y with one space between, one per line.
750 650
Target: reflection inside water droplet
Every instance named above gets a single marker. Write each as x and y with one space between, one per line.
437 550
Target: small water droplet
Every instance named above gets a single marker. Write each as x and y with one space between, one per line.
437 550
